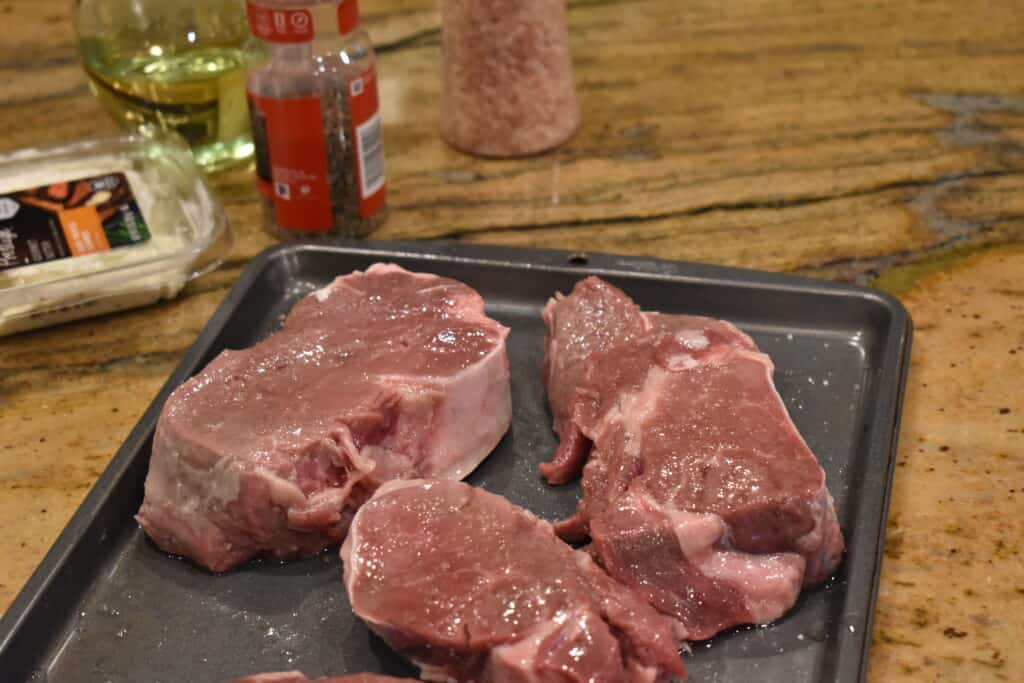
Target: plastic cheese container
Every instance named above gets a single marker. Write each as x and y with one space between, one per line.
100 226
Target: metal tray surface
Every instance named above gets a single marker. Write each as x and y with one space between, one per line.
106 605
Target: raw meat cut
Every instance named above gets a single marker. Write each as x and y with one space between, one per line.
698 490
380 375
472 588
296 677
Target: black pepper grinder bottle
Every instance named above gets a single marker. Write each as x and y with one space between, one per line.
506 76
316 124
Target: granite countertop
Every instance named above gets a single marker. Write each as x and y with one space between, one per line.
881 143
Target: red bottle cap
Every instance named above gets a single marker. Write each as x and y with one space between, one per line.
348 16
280 25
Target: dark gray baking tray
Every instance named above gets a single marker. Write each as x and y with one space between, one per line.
106 605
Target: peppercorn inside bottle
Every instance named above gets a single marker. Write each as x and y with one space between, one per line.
316 122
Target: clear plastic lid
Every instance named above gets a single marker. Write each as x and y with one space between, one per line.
102 225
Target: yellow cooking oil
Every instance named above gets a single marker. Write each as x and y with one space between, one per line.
198 92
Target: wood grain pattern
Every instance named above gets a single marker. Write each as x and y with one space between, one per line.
869 141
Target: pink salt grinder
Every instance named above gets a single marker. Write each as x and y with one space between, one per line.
506 76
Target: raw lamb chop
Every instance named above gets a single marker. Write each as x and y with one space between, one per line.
472 588
381 375
698 490
296 677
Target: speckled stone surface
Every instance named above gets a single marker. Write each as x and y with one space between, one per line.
952 594
875 142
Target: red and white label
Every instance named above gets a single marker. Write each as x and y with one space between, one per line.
366 125
280 25
297 155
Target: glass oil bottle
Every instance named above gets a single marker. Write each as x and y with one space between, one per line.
178 65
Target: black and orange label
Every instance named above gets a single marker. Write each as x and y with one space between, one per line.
67 219
83 230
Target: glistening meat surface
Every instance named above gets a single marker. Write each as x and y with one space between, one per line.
698 490
272 448
472 588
